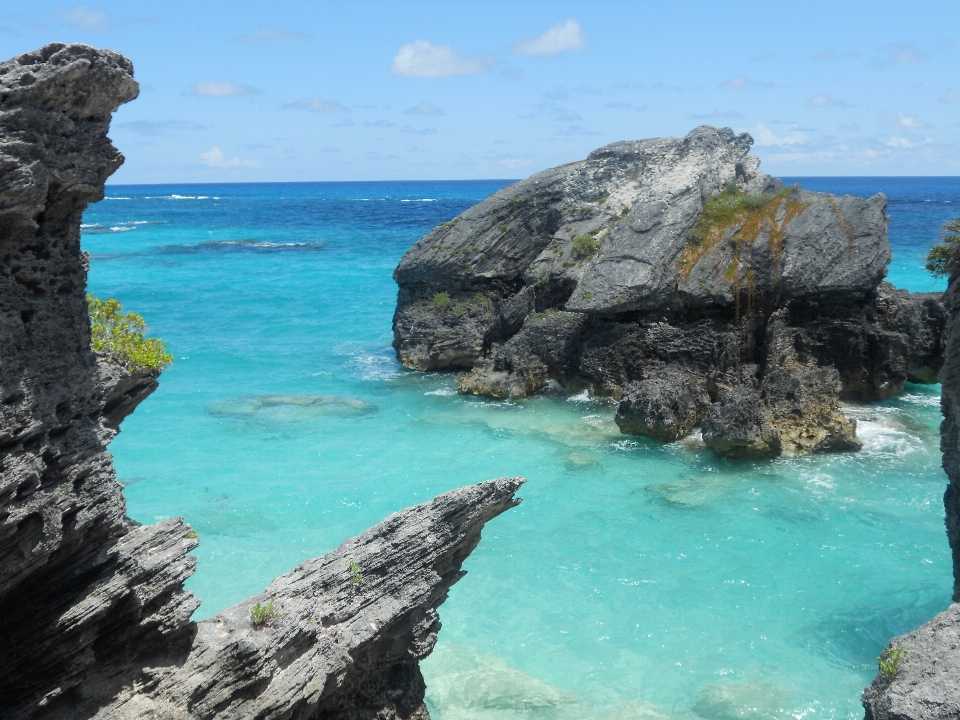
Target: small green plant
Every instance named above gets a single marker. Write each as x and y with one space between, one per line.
889 662
120 336
502 227
943 260
568 229
192 534
512 201
649 342
357 577
585 245
586 295
263 613
442 300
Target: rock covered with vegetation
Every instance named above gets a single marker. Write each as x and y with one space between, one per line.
674 255
94 621
129 363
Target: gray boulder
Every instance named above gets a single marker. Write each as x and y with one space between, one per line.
923 678
739 427
665 407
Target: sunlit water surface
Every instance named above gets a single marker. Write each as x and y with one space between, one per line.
636 580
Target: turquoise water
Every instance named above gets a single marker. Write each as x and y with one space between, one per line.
635 581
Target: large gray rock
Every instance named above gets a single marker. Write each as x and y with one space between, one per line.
94 621
739 427
665 407
669 253
926 684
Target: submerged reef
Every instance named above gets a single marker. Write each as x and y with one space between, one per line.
675 276
94 621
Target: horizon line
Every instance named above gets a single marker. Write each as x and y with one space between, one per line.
478 180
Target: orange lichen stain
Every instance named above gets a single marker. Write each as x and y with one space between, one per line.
740 218
844 225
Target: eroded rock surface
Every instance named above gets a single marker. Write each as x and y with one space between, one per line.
925 684
94 621
672 255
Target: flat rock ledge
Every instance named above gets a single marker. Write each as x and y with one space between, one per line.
94 621
675 276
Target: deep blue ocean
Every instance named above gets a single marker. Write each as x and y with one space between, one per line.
637 580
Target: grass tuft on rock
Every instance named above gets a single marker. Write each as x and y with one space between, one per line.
585 245
120 337
262 614
943 260
442 300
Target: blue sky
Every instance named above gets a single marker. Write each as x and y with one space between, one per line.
366 90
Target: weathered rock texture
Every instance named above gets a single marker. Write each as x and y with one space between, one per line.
950 428
606 274
94 621
926 686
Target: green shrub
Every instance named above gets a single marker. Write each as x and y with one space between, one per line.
119 336
889 662
357 577
585 245
263 614
442 300
943 260
502 228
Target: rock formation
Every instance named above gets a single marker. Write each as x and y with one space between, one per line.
923 683
94 621
659 270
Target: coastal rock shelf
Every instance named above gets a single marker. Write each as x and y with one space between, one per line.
94 621
674 275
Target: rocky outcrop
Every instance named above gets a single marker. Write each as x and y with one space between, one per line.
671 255
950 428
123 389
922 681
94 621
922 678
666 406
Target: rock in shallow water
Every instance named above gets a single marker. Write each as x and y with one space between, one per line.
291 408
665 407
668 253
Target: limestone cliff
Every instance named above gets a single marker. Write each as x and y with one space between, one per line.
669 268
94 621
924 682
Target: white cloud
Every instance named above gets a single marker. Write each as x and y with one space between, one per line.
423 59
222 88
740 82
765 137
909 122
560 38
420 131
214 158
318 104
424 108
273 35
950 96
830 54
901 54
825 101
899 143
84 18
